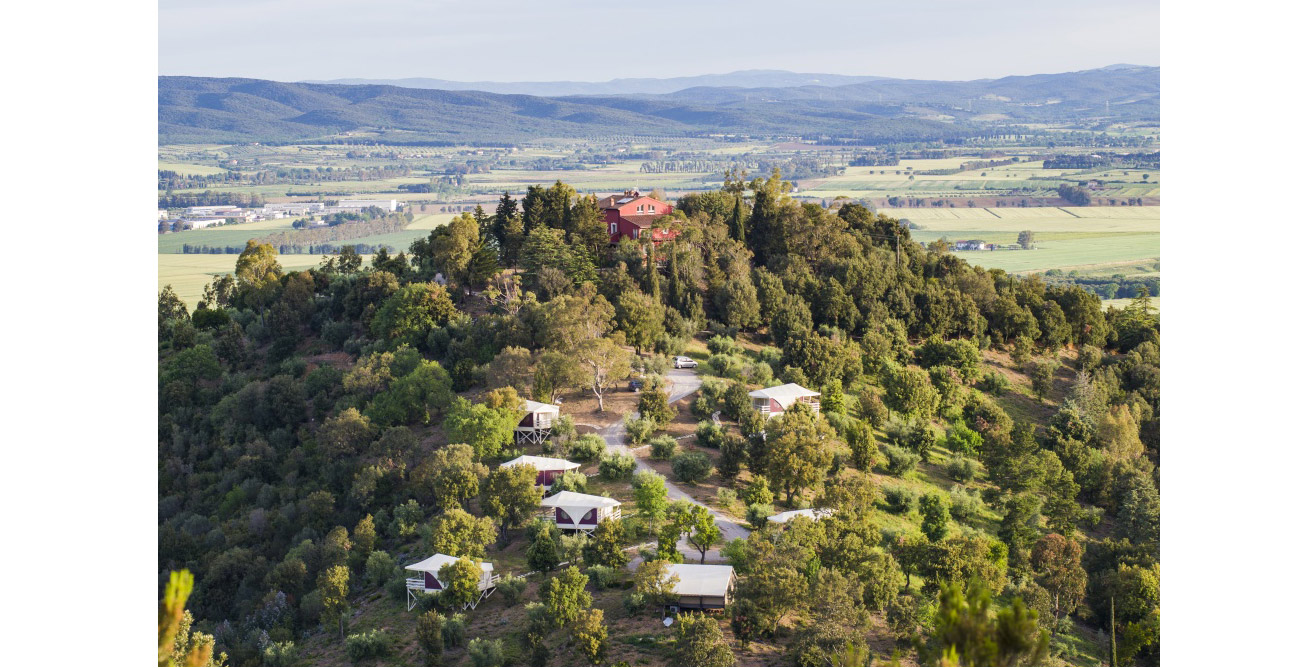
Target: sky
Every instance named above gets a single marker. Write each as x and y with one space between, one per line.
597 40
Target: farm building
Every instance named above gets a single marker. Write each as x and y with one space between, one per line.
547 468
813 513
535 425
580 512
385 204
702 586
775 400
970 245
428 582
629 214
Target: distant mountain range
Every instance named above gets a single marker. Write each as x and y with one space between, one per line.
871 109
644 86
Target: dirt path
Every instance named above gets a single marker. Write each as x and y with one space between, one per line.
681 384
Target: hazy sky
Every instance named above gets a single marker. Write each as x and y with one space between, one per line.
596 40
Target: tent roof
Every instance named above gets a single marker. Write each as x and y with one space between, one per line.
567 498
542 463
786 394
538 407
701 579
813 513
434 564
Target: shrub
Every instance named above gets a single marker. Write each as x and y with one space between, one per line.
709 400
662 447
726 366
723 345
486 652
428 632
900 500
965 503
691 467
638 430
736 401
587 448
726 497
757 514
603 577
761 373
995 383
710 434
758 490
872 408
368 645
511 587
1088 357
960 438
900 460
633 602
572 481
919 438
936 516
617 466
377 568
453 630
960 469
280 654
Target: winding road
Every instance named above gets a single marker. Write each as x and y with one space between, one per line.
681 383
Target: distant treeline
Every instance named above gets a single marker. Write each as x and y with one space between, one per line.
967 166
168 179
1075 195
287 249
1101 160
209 198
1107 287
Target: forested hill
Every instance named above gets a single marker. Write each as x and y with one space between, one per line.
988 445
199 110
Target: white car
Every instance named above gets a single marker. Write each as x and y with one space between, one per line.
683 362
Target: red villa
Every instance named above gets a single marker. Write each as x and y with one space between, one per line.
629 214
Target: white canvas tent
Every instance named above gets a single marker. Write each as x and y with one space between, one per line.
537 421
429 582
775 400
580 512
702 586
813 513
547 468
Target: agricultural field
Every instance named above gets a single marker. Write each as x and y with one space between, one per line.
1029 176
238 235
188 274
1067 238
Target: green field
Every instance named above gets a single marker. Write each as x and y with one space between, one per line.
1066 238
238 235
1123 303
188 274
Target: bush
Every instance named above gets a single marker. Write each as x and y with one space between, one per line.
710 393
662 447
511 587
486 652
965 503
603 577
900 460
368 645
900 500
617 466
588 448
1088 358
377 568
280 654
961 439
919 438
710 434
757 514
453 630
638 430
428 633
723 345
872 409
726 366
761 373
995 383
691 467
960 469
633 602
572 481
726 497
758 490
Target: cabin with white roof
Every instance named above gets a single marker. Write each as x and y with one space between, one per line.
536 423
580 512
813 513
427 582
702 586
547 468
775 400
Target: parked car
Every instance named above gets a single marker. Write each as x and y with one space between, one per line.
683 362
636 384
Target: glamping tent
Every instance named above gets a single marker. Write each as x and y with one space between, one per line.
547 468
428 582
813 513
537 420
775 400
702 586
580 512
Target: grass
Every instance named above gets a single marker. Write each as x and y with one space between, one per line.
238 235
188 274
